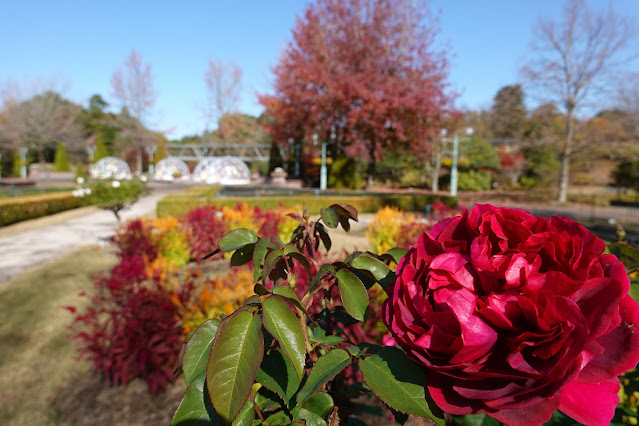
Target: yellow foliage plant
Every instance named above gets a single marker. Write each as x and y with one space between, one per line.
383 231
220 295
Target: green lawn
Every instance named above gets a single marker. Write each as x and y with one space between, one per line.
36 356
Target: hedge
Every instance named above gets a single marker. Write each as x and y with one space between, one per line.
17 210
179 205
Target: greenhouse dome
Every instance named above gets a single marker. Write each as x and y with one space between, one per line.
222 171
110 168
171 169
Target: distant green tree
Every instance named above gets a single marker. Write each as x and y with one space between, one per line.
508 116
542 165
79 171
480 154
17 162
100 148
161 151
626 175
61 160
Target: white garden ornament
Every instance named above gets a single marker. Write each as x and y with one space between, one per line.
110 168
171 169
222 171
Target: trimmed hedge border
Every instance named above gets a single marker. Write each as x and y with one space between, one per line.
176 205
32 207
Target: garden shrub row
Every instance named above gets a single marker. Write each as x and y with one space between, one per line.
180 205
17 210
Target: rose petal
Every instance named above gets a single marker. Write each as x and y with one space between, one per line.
590 404
621 347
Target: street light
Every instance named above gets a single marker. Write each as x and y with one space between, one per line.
453 171
323 172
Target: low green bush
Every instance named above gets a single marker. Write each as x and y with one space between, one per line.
473 180
179 205
18 210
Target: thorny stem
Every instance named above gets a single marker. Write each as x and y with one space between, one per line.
334 417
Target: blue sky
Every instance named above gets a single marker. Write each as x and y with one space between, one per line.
82 43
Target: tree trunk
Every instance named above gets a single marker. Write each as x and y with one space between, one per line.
564 172
434 178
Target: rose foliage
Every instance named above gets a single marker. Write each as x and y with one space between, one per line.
516 316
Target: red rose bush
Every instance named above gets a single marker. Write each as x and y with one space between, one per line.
516 316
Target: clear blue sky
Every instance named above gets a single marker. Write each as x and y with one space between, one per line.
84 42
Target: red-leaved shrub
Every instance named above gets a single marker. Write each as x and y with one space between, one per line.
131 327
205 227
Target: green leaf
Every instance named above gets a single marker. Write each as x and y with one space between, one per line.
326 240
235 357
379 269
243 255
330 217
253 301
278 374
198 348
195 408
326 367
260 290
372 265
259 253
246 416
324 270
398 381
286 328
321 404
481 419
396 254
634 292
344 213
309 417
354 294
290 296
236 239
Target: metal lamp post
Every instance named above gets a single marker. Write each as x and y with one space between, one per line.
323 172
454 175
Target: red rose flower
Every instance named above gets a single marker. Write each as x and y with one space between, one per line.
516 316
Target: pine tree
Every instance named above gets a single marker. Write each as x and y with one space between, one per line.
61 161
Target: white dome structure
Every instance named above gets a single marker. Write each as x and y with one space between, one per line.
222 171
110 168
171 169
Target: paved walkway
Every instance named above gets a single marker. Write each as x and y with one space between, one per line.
31 248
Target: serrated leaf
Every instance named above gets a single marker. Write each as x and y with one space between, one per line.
302 260
353 292
344 213
309 417
325 270
196 354
290 296
253 301
330 217
399 382
326 240
195 409
265 399
278 374
260 290
259 253
396 253
235 357
243 255
321 404
376 267
246 415
326 367
236 239
286 328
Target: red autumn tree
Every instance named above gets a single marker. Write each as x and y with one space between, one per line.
367 70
